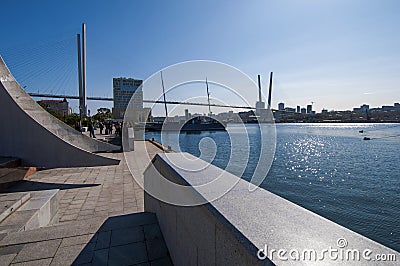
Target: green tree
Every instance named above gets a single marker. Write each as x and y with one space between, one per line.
102 114
72 119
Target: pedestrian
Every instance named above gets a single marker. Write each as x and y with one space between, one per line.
117 128
91 130
110 129
78 126
101 127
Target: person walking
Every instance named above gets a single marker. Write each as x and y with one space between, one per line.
101 127
110 129
78 127
91 130
117 129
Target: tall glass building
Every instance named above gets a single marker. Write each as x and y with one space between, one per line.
123 89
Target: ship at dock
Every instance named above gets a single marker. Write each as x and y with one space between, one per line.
195 124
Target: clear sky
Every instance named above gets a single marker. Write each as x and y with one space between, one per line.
338 54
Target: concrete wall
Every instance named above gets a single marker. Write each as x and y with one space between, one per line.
198 235
231 229
30 133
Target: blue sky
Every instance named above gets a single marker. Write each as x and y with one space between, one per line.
339 54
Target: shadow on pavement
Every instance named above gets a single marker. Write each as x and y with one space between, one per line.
28 185
127 240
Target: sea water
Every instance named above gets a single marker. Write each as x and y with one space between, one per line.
326 168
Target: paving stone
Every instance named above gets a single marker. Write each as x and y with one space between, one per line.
5 229
130 254
78 202
6 259
101 208
86 254
52 232
100 257
71 212
81 212
67 255
75 240
14 249
42 262
125 236
87 211
166 261
101 213
103 240
131 220
152 231
38 250
68 217
143 264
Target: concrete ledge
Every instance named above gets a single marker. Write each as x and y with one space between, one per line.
11 202
38 138
233 228
32 210
45 205
198 235
160 146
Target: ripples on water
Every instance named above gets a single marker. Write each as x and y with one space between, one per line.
328 169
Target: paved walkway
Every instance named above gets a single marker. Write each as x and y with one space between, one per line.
101 219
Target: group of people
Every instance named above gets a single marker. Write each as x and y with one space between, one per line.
107 126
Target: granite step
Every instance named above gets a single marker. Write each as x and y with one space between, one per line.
39 210
10 202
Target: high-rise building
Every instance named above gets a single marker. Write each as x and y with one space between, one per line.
187 115
123 89
281 106
298 109
303 110
309 109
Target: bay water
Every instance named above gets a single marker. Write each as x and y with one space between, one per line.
326 168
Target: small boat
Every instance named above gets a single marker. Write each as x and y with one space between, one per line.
366 138
361 131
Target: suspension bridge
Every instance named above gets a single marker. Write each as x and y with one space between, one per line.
57 69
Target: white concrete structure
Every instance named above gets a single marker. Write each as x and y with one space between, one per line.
39 139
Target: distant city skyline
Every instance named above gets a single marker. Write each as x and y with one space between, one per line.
350 109
338 54
362 107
